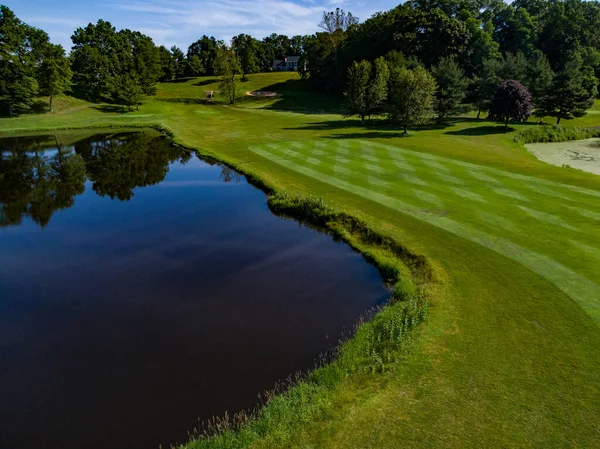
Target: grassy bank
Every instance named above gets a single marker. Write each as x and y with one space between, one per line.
510 353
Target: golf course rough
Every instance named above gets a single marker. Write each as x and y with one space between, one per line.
518 216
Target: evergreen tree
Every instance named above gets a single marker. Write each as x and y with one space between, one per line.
54 72
179 62
167 64
194 67
377 92
513 67
128 91
538 76
571 92
483 87
512 101
451 88
355 103
228 67
411 95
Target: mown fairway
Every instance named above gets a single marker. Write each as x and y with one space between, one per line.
510 355
515 215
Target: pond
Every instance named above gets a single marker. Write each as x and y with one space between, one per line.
143 289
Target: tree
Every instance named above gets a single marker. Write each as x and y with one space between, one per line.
452 86
359 76
179 60
167 64
571 92
482 88
513 67
102 57
54 72
206 49
411 95
377 92
20 47
337 20
194 67
538 76
246 47
513 101
228 68
128 91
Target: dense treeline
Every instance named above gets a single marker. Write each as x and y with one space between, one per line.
469 47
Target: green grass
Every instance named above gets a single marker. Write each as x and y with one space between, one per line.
510 353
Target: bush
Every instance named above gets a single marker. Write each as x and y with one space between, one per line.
547 133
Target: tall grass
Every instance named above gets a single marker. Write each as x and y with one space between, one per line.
375 346
547 133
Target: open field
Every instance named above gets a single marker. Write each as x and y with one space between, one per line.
510 355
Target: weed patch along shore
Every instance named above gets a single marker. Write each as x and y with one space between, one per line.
373 349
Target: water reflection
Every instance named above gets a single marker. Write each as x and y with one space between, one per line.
37 183
125 321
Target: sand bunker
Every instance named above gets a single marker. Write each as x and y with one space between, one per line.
581 154
260 93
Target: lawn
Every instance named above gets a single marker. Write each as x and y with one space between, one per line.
510 355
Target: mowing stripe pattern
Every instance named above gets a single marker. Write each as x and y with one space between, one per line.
551 228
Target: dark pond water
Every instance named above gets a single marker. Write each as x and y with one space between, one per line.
142 289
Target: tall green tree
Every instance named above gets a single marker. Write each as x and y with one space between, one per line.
377 93
20 48
451 88
355 97
411 96
54 73
571 92
167 64
205 48
538 76
482 87
128 90
179 62
246 47
228 68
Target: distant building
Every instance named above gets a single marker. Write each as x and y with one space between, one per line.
289 64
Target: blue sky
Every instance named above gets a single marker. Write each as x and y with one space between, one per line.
181 22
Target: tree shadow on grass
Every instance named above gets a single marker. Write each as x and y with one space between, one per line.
481 131
205 82
111 108
383 126
203 101
369 135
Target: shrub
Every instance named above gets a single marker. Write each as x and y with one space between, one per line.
547 133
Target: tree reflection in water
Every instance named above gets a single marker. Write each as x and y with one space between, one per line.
40 175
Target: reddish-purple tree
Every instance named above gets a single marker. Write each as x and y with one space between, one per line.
511 100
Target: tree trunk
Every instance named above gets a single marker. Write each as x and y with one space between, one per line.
558 120
506 122
478 113
10 111
51 107
362 120
405 129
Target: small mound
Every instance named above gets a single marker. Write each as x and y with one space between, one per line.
262 93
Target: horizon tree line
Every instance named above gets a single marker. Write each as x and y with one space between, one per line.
552 47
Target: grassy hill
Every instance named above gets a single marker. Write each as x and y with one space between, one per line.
510 354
